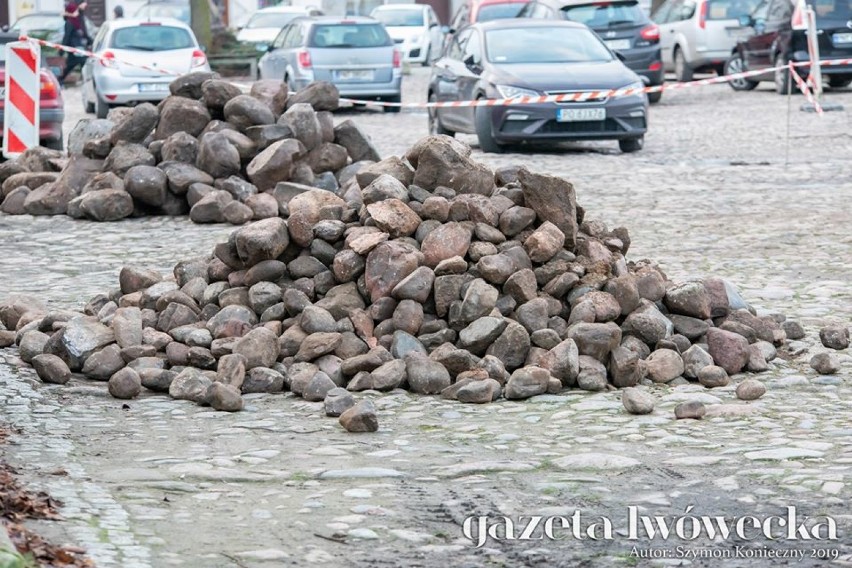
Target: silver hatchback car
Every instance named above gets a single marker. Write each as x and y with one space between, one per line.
168 47
356 54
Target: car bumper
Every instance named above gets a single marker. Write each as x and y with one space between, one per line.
626 117
802 56
115 88
647 63
49 123
705 57
363 90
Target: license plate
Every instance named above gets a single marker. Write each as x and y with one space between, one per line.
354 74
153 87
617 44
842 38
580 114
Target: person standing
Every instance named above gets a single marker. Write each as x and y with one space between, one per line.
75 36
118 13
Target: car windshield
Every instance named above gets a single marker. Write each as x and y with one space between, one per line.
38 22
350 35
832 9
164 11
730 9
400 17
151 38
544 45
271 20
605 14
498 11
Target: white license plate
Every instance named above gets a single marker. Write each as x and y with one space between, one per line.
580 114
842 38
153 87
354 74
617 44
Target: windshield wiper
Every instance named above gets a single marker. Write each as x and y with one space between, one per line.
614 23
139 48
340 45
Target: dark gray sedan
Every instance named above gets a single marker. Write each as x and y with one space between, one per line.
506 59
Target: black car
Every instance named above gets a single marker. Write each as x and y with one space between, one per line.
779 35
621 24
507 59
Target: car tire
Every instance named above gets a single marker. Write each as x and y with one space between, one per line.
392 109
88 106
55 144
839 81
655 97
101 108
683 71
427 61
630 145
735 65
435 126
485 131
782 76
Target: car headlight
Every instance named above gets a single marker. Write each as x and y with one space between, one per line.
510 92
637 85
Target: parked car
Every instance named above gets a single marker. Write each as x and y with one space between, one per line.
265 24
354 53
113 79
699 35
159 9
622 25
475 11
779 35
414 28
51 105
520 58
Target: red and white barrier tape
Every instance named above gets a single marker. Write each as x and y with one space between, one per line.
803 86
566 97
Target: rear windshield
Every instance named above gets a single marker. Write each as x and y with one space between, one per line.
730 9
151 38
832 9
605 14
350 35
544 45
498 11
402 18
38 22
271 20
164 11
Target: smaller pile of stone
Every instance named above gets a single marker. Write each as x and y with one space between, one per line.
207 150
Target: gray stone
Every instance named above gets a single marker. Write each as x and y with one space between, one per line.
637 401
825 363
834 336
360 418
225 397
712 376
527 382
125 384
51 369
690 409
750 389
337 401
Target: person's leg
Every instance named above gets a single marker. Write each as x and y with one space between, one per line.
71 63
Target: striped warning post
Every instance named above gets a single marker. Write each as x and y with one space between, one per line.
20 126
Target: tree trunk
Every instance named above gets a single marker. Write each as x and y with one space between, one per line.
200 22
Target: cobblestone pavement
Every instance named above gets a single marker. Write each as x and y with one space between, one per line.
159 483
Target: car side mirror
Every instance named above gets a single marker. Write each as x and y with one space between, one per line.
472 64
270 48
447 30
433 25
746 21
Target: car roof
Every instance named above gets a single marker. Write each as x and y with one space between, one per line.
136 22
490 2
384 7
285 10
342 20
567 3
515 23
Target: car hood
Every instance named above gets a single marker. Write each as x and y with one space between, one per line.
257 35
544 77
406 33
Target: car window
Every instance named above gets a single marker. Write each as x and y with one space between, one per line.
685 12
151 38
731 9
605 15
544 45
271 20
461 17
281 39
491 12
665 13
38 22
457 46
350 35
402 17
98 42
296 37
780 11
473 48
542 11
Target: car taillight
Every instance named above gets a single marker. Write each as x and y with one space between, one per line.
304 59
198 58
702 15
655 66
397 59
650 33
108 60
48 88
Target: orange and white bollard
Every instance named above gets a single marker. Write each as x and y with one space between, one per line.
23 84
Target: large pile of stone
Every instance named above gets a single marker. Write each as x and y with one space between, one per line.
432 273
208 150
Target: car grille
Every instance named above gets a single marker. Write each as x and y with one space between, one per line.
610 125
398 40
602 99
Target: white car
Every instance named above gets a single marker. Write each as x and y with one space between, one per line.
263 27
125 47
415 30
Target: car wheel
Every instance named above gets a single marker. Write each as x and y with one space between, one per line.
427 61
683 71
654 98
54 144
435 126
735 65
629 145
101 108
88 106
839 81
485 131
782 75
393 109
